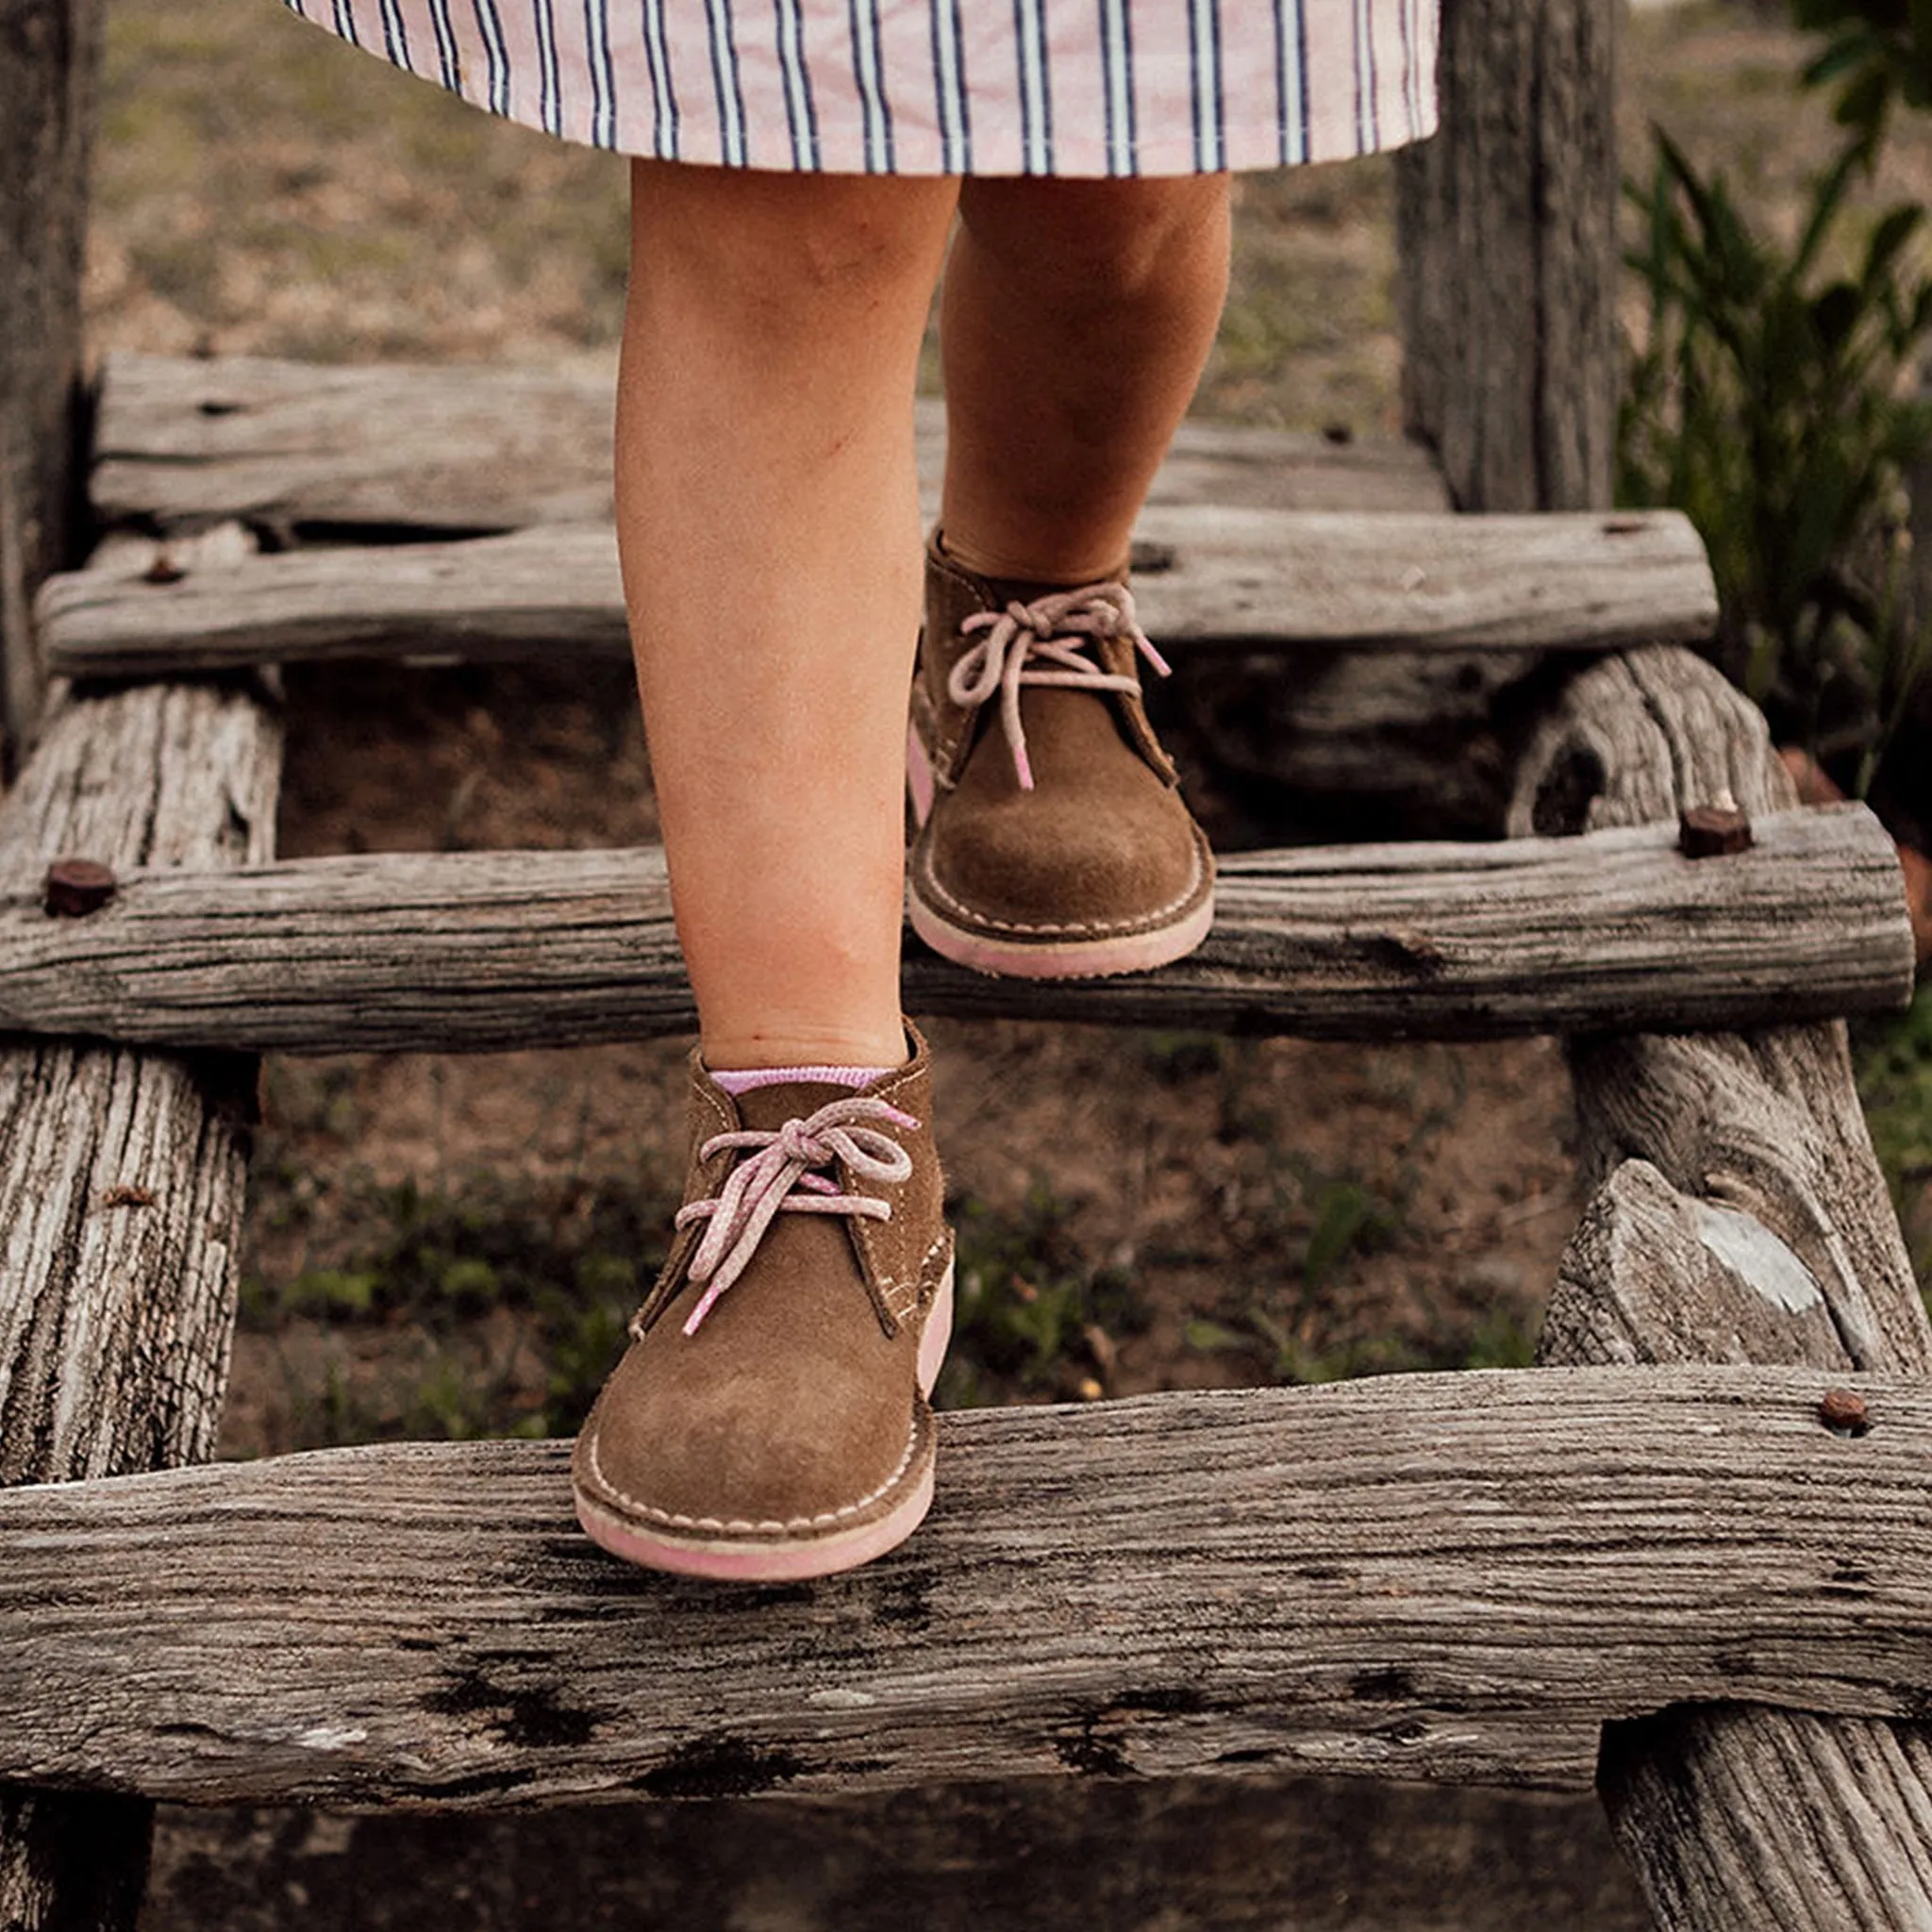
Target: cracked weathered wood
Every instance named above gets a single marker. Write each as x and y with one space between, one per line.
1510 268
1740 1217
1449 1576
295 446
495 950
49 50
121 1194
1235 578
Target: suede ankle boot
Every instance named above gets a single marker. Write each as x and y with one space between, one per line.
1052 841
769 1420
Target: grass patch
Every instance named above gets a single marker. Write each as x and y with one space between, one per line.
495 1308
1894 1074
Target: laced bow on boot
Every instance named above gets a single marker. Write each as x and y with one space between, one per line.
780 1177
1023 638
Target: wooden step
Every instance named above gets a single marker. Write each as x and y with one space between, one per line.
495 950
1445 1577
299 448
1224 578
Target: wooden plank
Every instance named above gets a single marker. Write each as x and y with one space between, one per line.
494 950
1740 1217
1445 1577
1508 226
52 51
1236 578
294 446
121 1194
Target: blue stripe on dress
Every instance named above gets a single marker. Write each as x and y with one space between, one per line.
724 82
866 74
345 22
1412 52
490 27
1204 45
603 78
801 114
448 60
1366 132
1036 89
1117 70
665 125
395 35
949 89
549 82
1291 80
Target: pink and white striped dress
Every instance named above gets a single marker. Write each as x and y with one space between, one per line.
930 86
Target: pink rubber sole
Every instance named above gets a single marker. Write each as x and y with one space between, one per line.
1073 959
804 1557
1137 951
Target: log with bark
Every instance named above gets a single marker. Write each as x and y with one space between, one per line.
120 1196
1450 1577
496 949
1740 1217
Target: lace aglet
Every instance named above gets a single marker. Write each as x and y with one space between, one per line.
704 1307
1024 767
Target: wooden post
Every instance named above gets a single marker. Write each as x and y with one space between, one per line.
121 1192
1739 1216
49 52
1508 251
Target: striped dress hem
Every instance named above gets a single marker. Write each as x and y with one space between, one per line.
1075 88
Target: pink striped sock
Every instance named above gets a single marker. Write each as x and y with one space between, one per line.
749 1078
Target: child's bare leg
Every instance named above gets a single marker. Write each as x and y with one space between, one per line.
768 518
1077 318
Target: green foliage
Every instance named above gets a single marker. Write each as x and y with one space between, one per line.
567 1272
1894 1071
1877 54
1765 401
1029 1313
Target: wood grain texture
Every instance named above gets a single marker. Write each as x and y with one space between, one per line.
1235 578
1510 264
49 53
1452 1577
296 448
494 950
121 1194
1741 1218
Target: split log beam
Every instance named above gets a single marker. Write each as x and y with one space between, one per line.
494 950
298 449
120 1195
1233 577
1740 1217
1443 1576
49 50
1510 264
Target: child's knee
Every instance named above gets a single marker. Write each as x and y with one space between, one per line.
788 246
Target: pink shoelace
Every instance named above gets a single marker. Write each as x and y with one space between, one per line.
1056 628
779 1178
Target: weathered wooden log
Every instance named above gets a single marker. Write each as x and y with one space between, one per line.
1292 578
49 50
121 1194
494 950
298 448
1447 1576
1509 261
1741 1217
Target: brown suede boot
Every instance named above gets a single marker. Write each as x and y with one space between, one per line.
1052 841
769 1420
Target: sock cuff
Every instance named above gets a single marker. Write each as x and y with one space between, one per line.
747 1079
